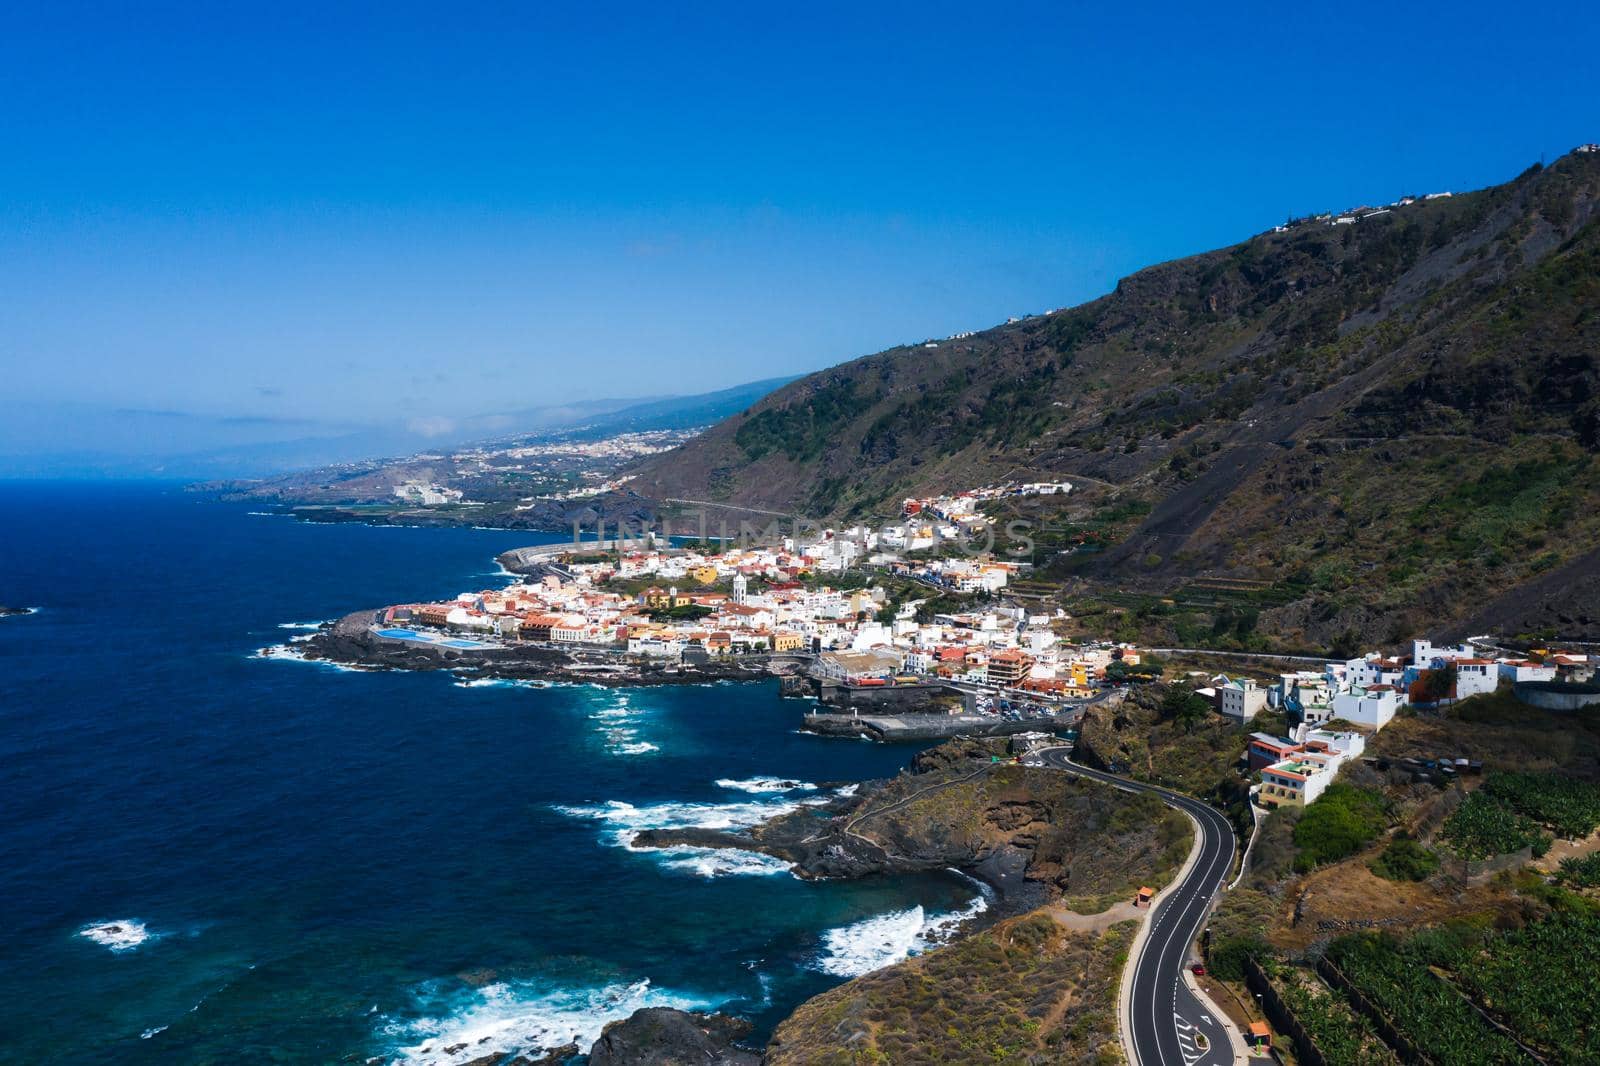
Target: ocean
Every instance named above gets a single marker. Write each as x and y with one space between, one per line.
210 856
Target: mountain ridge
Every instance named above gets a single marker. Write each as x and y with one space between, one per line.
1254 398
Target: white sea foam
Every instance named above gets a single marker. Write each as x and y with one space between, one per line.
500 682
722 862
626 821
290 653
299 625
617 725
519 1018
122 935
885 939
148 1033
758 785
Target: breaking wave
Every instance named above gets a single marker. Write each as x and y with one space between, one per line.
626 820
885 939
758 785
516 1018
122 935
290 653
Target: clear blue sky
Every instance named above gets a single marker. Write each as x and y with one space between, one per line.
278 213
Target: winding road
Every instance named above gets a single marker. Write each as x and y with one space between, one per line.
1167 1025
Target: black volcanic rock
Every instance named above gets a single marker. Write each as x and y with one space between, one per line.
662 1036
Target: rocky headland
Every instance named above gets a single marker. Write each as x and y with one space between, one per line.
1061 853
352 641
1033 834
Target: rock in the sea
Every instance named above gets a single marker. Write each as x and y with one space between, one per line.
561 1056
662 1036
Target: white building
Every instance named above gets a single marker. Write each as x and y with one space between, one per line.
1373 706
1518 671
1475 677
1241 699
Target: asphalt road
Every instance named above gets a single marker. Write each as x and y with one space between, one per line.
1166 1020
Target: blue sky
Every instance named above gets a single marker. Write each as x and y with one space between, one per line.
277 216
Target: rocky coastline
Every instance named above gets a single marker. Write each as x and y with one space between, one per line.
1034 836
352 641
956 808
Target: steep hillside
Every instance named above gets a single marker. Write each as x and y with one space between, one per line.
1387 420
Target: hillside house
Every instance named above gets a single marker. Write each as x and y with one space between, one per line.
1373 706
1240 699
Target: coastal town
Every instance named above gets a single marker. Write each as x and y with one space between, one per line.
859 610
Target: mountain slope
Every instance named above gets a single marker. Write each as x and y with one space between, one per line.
1391 418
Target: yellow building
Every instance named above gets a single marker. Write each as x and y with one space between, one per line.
705 575
784 640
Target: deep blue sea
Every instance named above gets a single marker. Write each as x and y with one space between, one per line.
208 856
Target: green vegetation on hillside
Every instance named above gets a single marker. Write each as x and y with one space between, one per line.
803 429
1405 860
1482 828
1428 1012
1571 808
1581 871
1369 429
1341 1035
1342 821
1542 981
1514 809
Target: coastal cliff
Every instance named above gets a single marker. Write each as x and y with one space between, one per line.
1033 834
1063 854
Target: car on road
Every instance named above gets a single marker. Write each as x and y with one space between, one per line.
1197 970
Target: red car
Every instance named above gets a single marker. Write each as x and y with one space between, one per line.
1197 970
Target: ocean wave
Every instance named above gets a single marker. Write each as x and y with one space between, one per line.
148 1033
626 820
885 939
500 682
300 625
518 1018
758 785
722 862
122 935
615 724
289 653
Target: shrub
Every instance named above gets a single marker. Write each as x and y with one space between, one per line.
1581 872
1405 860
1340 823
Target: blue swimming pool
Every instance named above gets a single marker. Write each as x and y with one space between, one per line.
430 638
